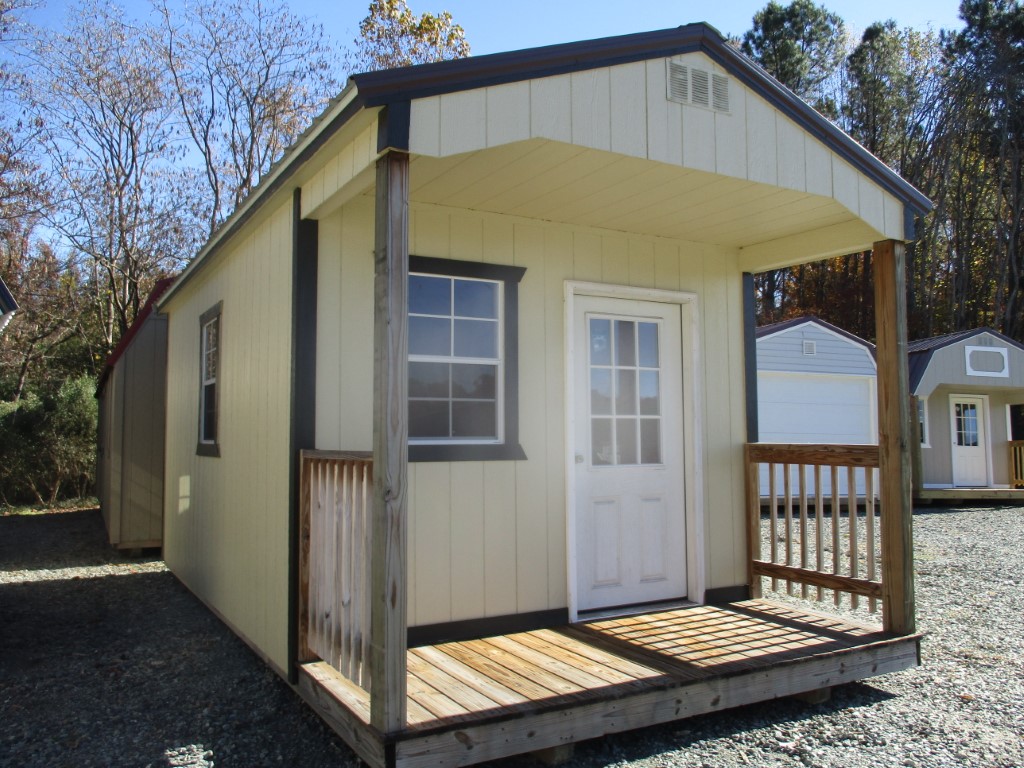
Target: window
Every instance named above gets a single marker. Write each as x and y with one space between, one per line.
209 373
463 360
922 420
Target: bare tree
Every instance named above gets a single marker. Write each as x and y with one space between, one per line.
102 95
248 77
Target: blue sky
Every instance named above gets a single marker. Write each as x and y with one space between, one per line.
492 26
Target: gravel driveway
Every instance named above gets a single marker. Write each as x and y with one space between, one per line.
106 660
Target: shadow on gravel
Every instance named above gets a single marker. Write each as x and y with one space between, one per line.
131 670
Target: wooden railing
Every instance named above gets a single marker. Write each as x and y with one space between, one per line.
334 561
1016 448
812 535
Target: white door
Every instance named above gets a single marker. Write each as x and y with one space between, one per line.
970 442
628 452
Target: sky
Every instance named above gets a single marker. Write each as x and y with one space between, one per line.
493 25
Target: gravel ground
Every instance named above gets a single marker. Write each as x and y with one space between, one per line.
106 660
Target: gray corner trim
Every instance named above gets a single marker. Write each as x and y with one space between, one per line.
393 127
750 354
909 223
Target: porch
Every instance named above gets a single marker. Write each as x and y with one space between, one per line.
498 696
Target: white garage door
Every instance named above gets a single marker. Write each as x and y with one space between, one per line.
815 408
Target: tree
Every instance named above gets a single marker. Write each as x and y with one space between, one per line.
802 45
248 77
121 207
392 36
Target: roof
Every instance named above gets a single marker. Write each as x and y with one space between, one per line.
122 346
919 353
396 88
7 302
773 328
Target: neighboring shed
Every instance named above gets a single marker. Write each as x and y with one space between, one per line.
815 384
8 305
469 363
969 388
132 394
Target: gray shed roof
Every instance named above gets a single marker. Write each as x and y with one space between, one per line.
7 302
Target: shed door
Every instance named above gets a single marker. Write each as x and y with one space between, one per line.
628 453
970 441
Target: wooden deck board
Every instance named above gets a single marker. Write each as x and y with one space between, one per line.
482 699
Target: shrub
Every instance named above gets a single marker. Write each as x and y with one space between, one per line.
48 445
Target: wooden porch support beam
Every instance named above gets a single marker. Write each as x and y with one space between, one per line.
894 436
390 447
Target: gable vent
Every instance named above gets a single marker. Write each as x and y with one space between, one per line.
690 85
810 348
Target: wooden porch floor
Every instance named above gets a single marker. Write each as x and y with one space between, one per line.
484 699
968 495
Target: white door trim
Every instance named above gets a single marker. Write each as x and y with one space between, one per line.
693 493
987 423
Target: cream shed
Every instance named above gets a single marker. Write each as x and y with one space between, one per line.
457 403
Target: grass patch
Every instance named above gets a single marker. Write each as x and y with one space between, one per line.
68 505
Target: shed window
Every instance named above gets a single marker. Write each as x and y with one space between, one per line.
922 420
209 392
463 367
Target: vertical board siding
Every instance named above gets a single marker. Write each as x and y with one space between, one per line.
488 538
353 158
227 516
624 110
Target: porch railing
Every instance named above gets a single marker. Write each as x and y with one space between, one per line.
334 561
798 543
1016 448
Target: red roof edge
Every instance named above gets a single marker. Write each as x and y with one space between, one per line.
147 309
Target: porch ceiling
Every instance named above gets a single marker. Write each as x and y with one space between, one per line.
559 182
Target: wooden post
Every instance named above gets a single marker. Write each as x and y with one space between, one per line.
390 447
894 437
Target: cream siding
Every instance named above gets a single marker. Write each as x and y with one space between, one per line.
227 517
488 538
624 109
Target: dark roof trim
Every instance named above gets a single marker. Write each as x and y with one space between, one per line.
417 82
785 325
920 352
126 340
7 302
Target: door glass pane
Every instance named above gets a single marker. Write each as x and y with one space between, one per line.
601 448
650 441
647 334
625 342
650 393
625 392
600 392
625 439
966 425
600 341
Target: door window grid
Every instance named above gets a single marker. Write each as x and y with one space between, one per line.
625 391
967 425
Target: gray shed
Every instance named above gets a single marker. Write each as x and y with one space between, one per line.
132 394
969 388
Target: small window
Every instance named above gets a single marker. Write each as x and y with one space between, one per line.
922 420
209 375
463 360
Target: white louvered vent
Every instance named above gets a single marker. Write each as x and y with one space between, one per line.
810 348
689 85
720 93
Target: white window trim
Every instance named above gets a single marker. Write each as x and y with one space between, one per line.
499 362
1003 374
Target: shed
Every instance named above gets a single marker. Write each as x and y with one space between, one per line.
8 305
969 388
132 394
816 383
465 534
